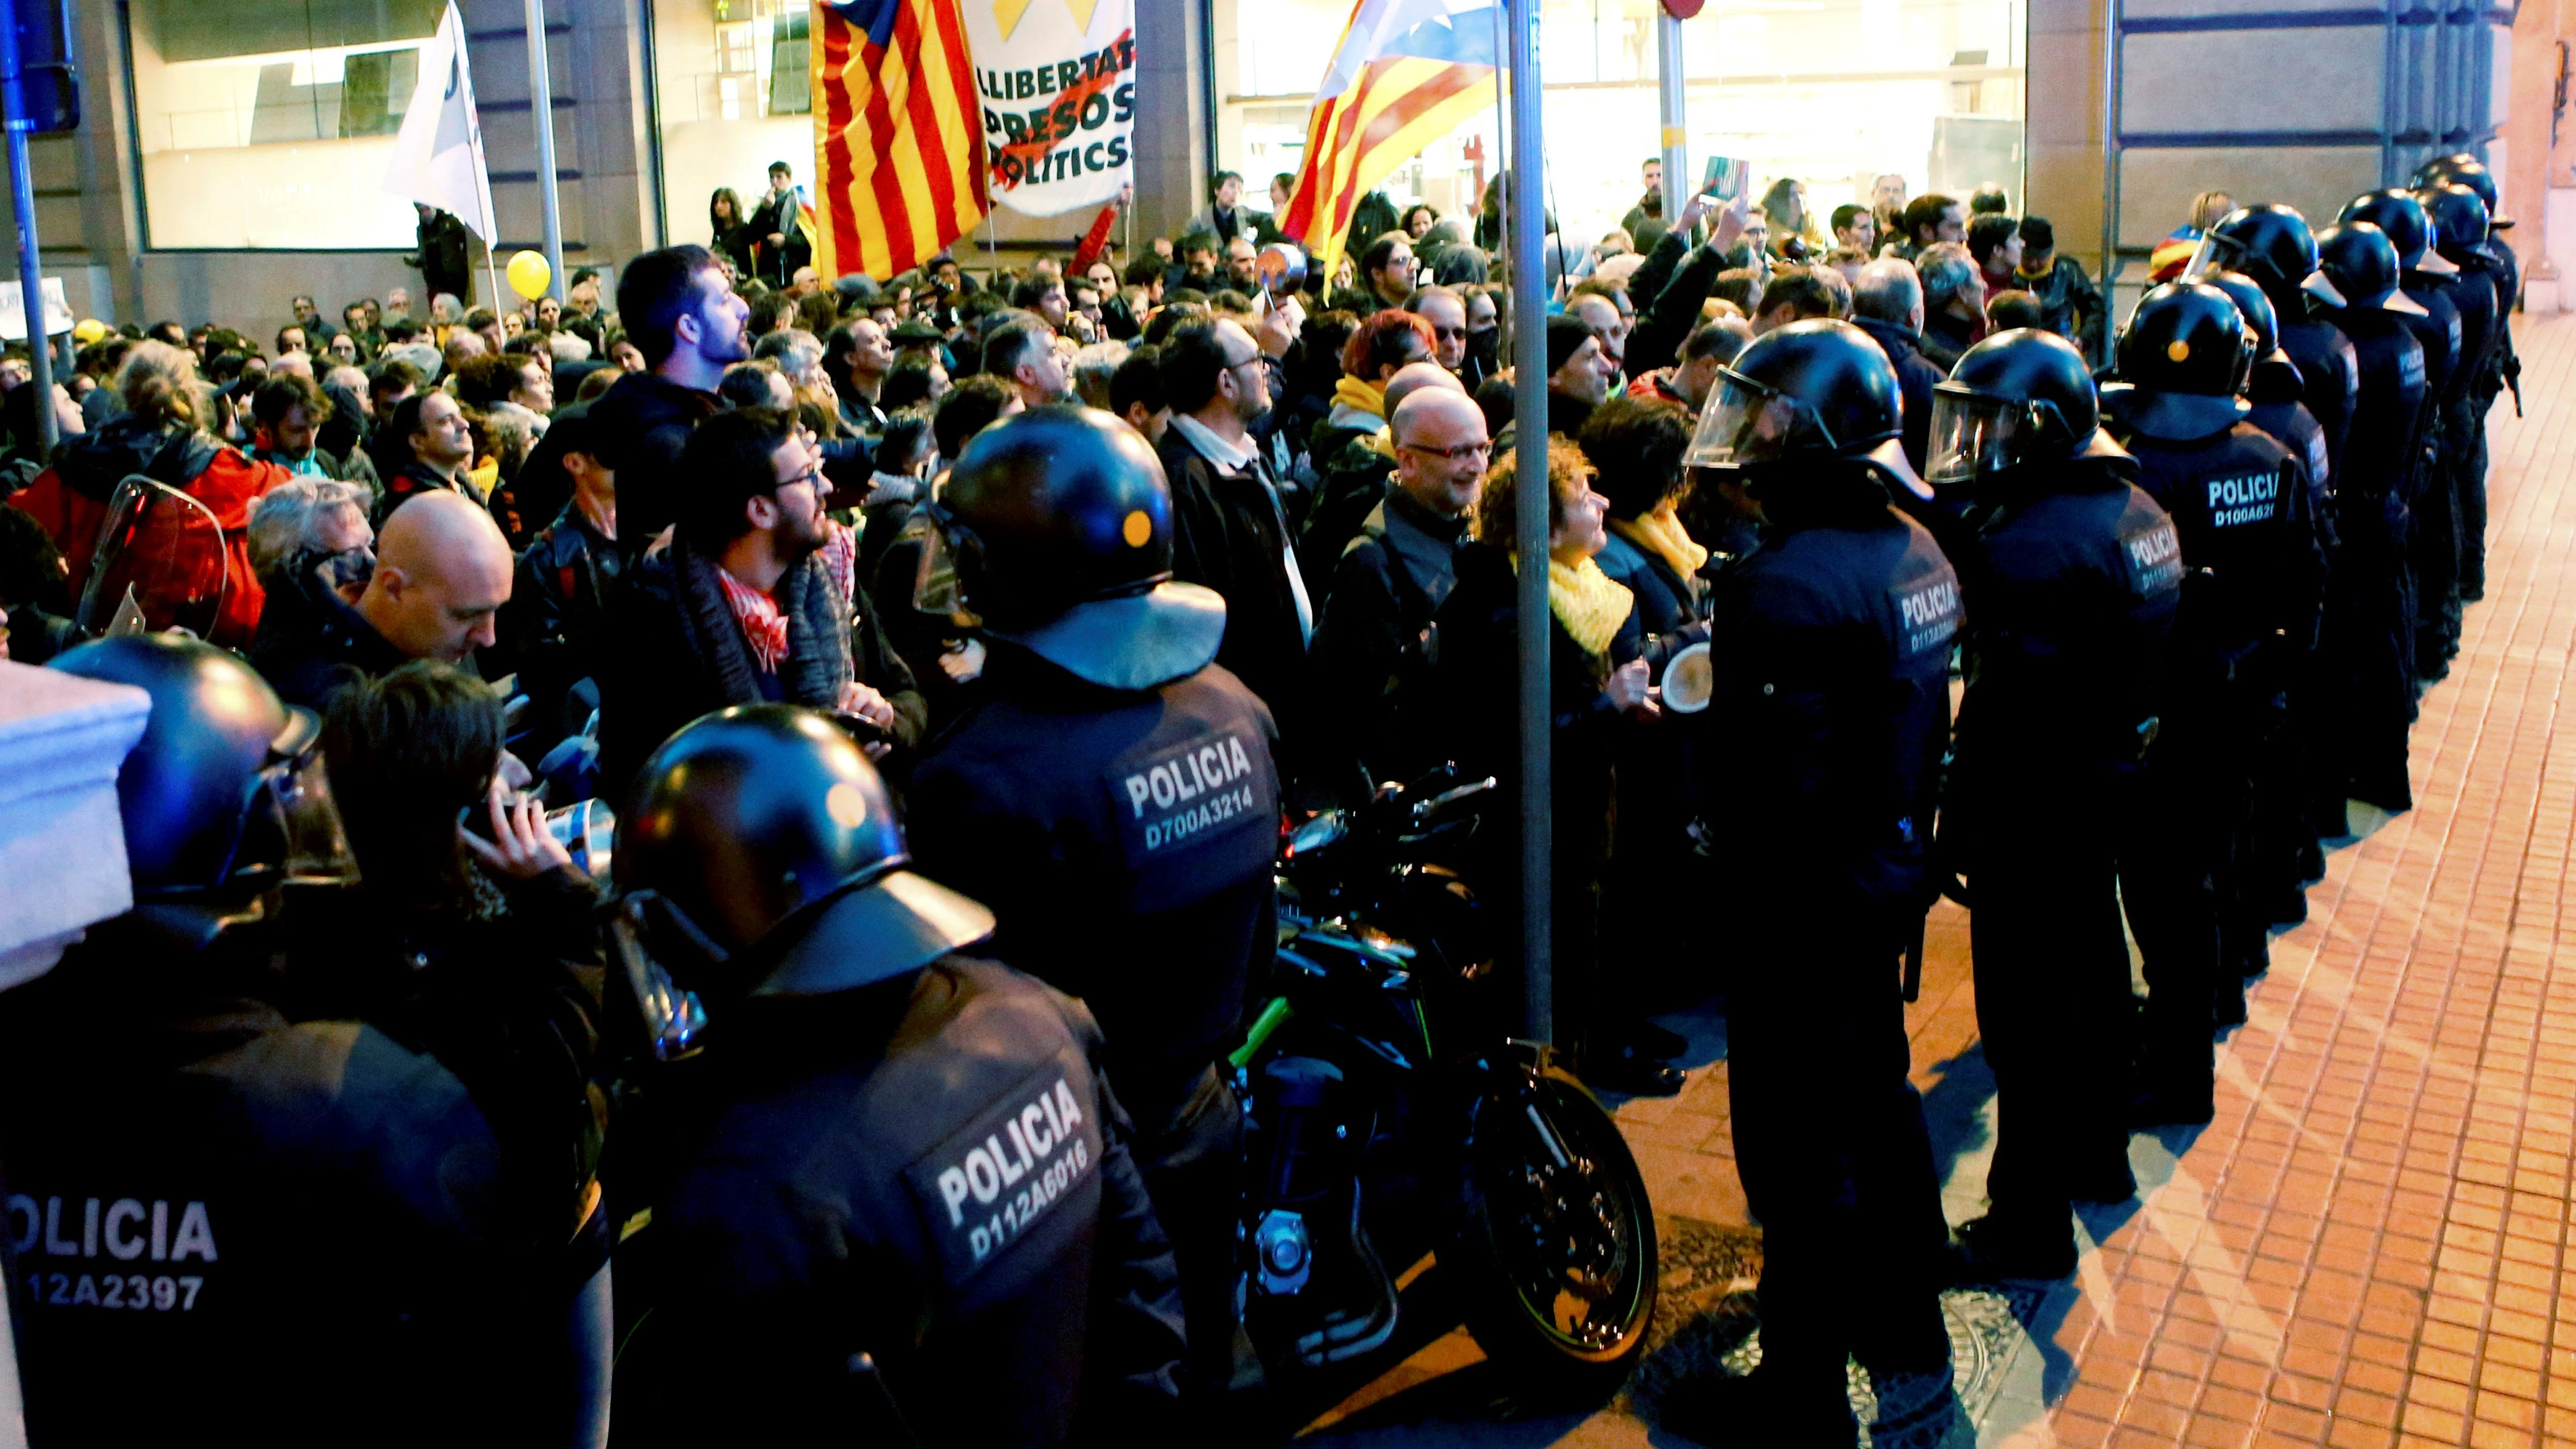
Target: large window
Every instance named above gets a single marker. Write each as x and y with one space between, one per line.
731 82
270 125
1832 92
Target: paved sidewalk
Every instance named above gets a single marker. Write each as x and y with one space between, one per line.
2365 1249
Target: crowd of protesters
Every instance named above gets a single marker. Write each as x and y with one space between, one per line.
722 486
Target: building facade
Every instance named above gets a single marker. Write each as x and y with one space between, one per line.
223 138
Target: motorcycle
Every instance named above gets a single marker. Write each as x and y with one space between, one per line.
1378 1030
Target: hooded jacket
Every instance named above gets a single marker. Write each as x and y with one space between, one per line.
641 423
71 500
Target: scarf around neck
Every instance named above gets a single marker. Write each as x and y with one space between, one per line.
1360 396
1589 603
1661 533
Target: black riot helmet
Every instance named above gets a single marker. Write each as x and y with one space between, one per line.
2357 267
1057 523
2270 243
226 789
2462 169
762 857
2400 214
1804 393
2274 378
2183 358
2019 397
2460 220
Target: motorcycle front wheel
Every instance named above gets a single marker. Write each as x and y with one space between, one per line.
1554 1248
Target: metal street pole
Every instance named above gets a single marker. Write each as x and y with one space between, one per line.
541 103
1529 407
22 191
1668 96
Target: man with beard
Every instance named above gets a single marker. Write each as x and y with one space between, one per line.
739 609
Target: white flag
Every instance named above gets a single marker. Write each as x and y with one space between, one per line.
438 157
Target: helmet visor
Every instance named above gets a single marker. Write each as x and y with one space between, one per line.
1974 435
667 1020
2215 254
292 821
935 586
1747 423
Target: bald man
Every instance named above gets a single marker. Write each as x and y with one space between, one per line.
1355 477
1372 652
442 573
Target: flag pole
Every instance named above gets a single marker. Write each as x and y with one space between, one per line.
541 101
1529 409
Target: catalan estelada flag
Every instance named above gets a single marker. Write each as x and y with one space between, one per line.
1407 73
899 142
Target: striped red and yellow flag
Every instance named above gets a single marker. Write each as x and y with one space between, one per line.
897 136
1407 73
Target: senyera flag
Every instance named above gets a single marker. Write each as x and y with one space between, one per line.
898 148
1406 73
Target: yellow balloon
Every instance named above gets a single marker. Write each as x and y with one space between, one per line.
529 274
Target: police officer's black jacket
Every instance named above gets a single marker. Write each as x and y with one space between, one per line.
2473 293
2439 332
2257 573
2285 419
1125 841
239 1214
1831 647
2075 574
931 1171
2388 401
2330 371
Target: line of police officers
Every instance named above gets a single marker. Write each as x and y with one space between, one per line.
883 1186
2199 602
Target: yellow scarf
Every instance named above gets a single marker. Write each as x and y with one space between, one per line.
1368 397
1381 443
1589 603
484 476
1661 533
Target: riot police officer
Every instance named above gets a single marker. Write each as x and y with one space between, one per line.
2286 853
2370 632
231 1222
2483 290
1830 643
2433 550
2074 574
1111 795
2272 245
893 1195
2250 604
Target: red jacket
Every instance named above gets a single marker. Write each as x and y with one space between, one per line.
188 566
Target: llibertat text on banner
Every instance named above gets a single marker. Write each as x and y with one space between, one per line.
1056 80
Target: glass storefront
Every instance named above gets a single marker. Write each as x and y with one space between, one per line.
1832 92
270 126
732 94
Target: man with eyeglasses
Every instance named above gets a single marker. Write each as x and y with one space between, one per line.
1446 311
1230 531
1375 648
1386 268
741 608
